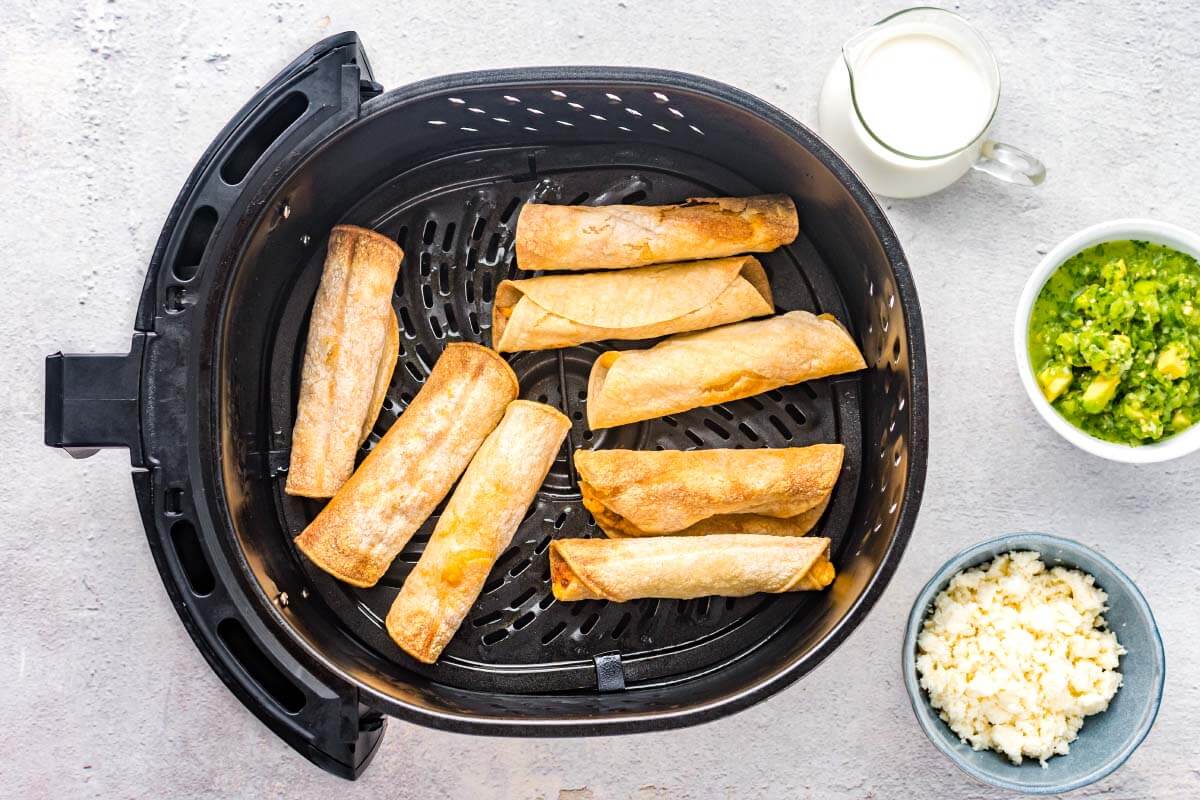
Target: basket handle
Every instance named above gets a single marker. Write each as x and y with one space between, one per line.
93 401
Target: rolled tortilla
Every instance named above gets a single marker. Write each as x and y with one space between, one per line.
551 237
347 339
685 567
690 370
397 487
565 310
478 523
779 492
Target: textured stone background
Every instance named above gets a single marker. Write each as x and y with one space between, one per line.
104 107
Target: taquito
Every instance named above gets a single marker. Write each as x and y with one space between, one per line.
410 470
690 370
347 338
551 237
565 310
779 492
685 567
478 523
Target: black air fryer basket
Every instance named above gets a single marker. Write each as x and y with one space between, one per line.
204 400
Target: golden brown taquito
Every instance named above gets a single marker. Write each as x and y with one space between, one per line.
564 310
690 370
478 523
347 337
779 492
410 470
685 567
551 237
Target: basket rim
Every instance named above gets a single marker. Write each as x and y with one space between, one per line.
631 722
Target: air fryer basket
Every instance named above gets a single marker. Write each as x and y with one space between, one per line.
206 397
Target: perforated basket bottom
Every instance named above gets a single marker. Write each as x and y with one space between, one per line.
455 220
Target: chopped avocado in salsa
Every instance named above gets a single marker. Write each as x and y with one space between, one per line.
1114 340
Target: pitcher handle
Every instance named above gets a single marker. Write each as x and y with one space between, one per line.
1009 164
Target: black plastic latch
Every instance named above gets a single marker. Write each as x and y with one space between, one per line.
93 401
610 672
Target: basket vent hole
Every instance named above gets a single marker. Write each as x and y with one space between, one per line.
437 328
578 199
662 98
582 395
724 412
675 112
634 197
587 436
560 520
492 585
554 633
755 403
412 370
402 236
444 279
426 359
262 136
674 423
191 557
713 426
195 241
406 323
429 232
477 231
795 413
694 129
589 624
748 431
427 295
426 265
487 619
493 249
451 319
519 567
448 238
779 426
473 320
509 209
612 98
621 625
896 351
577 416
522 598
542 545
495 636
261 669
695 437
524 620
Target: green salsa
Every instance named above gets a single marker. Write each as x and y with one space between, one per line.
1114 341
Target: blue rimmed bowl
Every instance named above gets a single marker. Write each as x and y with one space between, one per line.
1106 740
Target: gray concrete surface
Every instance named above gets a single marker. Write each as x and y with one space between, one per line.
104 106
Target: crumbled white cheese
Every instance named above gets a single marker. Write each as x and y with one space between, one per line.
1014 656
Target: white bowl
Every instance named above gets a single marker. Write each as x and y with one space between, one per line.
1147 230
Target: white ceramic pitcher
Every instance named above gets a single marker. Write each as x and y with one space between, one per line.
868 126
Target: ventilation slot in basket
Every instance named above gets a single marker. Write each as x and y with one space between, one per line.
256 664
195 241
187 549
262 136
